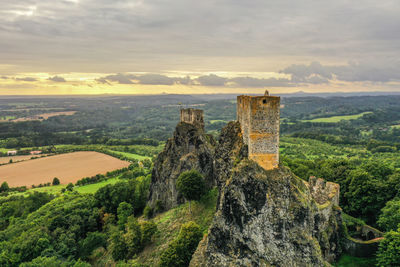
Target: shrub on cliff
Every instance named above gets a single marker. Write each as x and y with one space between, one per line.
191 185
179 251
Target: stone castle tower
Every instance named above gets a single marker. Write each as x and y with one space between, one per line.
259 120
193 116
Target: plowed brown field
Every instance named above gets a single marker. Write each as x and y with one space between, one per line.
67 167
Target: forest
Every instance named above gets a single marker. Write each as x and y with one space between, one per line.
353 141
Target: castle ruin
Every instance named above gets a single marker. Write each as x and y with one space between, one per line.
259 120
193 116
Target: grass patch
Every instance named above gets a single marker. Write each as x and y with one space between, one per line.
92 188
350 261
338 118
216 121
169 223
56 189
395 126
6 118
130 155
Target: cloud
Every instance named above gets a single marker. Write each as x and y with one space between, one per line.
153 36
212 80
57 79
26 79
155 79
256 82
119 78
316 73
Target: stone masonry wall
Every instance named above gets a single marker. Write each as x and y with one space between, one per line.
259 120
193 116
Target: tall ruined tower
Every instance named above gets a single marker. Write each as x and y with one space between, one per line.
259 120
193 116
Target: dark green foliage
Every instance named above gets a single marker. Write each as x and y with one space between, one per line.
388 254
148 229
56 181
69 187
159 207
134 192
179 251
92 241
110 195
118 246
191 185
4 187
148 212
123 212
55 229
126 243
133 237
45 261
20 207
390 216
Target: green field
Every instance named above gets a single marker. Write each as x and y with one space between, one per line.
130 155
396 126
338 118
55 189
216 121
7 117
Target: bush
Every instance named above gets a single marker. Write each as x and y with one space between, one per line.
191 185
69 187
4 187
390 216
56 181
148 230
179 251
123 212
389 250
92 241
148 212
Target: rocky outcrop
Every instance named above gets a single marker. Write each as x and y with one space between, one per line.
229 151
263 218
268 218
189 148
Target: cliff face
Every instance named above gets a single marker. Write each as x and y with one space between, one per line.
189 148
263 218
270 218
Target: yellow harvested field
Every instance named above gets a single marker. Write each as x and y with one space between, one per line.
17 158
69 168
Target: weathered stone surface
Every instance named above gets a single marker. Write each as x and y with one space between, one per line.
190 148
259 117
269 218
230 150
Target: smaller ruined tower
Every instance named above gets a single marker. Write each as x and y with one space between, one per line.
259 120
193 116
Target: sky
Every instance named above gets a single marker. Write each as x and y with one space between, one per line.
207 46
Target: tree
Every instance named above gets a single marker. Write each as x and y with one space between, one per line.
56 181
191 185
389 250
180 250
390 216
4 187
123 212
91 242
70 187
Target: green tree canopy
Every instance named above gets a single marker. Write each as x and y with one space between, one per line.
56 181
389 250
191 185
